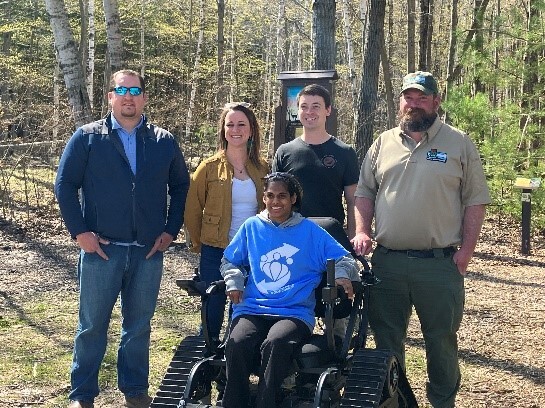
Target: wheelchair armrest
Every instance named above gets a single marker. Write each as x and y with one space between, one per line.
216 287
192 287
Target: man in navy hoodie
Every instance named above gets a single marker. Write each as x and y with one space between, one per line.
112 184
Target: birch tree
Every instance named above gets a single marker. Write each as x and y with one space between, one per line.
67 52
89 80
221 95
113 34
350 53
196 66
280 37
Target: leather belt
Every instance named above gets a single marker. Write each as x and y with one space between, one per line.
419 253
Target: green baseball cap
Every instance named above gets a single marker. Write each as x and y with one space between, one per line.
421 80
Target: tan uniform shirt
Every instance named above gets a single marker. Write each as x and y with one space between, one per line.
421 190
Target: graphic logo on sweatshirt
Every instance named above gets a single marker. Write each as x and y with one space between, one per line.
275 264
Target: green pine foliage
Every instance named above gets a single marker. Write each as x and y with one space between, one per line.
498 137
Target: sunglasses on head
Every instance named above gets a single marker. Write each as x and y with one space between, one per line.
279 175
122 90
231 105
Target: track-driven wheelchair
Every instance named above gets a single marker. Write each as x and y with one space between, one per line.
328 371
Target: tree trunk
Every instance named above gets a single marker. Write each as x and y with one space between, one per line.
84 36
194 76
529 104
426 31
65 46
5 114
467 41
281 37
56 103
268 96
323 34
350 54
143 38
452 44
385 61
369 85
411 35
221 95
89 80
387 51
496 56
478 86
113 32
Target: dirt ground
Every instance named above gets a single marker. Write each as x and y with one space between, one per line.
502 338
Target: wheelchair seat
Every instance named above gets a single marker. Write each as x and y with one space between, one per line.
329 371
316 353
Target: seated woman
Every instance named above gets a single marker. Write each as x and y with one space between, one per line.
283 256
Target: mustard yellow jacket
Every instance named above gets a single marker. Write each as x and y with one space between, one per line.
207 214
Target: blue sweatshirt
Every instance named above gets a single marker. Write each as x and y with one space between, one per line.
285 265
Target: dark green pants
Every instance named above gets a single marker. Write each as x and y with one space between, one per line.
436 290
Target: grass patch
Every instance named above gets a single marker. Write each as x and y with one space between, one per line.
35 342
26 188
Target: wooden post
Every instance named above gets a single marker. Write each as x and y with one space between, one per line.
526 199
526 185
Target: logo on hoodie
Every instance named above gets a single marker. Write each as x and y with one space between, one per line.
275 265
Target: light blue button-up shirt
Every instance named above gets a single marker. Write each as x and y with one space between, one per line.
129 145
129 141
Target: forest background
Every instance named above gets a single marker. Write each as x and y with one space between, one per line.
56 55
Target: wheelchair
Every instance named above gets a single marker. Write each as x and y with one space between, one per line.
327 371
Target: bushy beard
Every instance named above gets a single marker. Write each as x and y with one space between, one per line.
416 120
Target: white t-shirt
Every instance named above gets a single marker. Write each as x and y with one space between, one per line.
244 204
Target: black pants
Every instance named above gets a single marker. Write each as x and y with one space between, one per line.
264 341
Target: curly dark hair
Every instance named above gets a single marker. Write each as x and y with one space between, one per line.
290 181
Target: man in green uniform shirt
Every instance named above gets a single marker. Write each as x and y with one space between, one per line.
424 184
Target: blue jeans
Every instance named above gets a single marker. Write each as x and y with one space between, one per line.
209 270
128 273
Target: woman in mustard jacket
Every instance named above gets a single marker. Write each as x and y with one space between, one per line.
225 190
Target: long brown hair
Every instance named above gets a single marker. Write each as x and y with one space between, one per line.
254 143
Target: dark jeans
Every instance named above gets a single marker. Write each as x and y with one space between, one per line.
274 339
209 271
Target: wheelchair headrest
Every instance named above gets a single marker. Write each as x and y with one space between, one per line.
335 229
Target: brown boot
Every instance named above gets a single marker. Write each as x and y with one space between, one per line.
140 401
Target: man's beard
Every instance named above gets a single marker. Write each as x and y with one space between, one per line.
416 120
